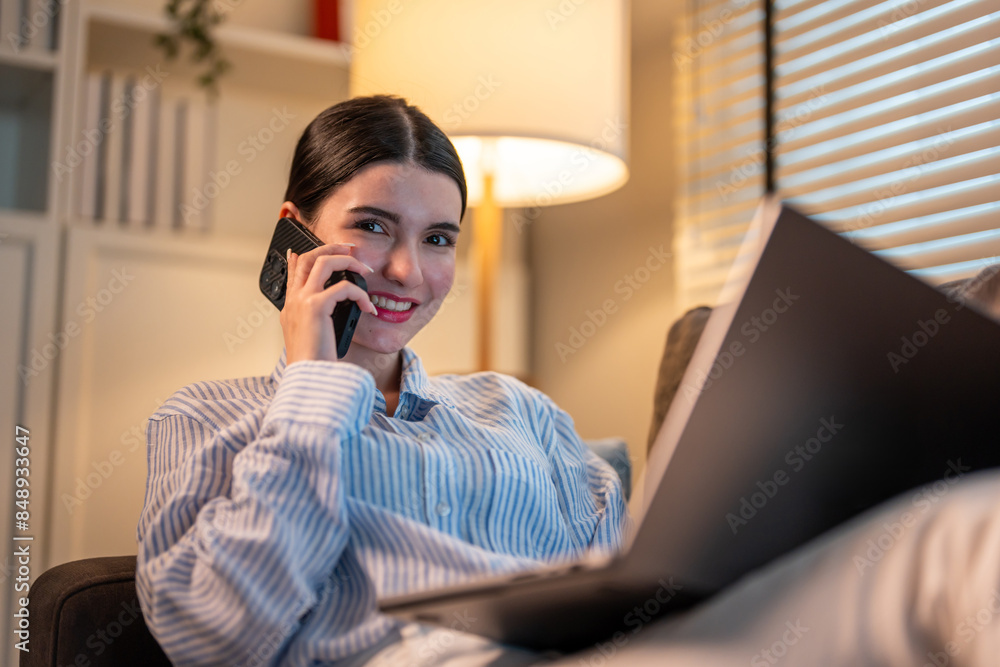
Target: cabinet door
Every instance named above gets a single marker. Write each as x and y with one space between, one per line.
154 313
28 270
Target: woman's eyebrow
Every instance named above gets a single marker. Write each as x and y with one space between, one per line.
374 210
445 227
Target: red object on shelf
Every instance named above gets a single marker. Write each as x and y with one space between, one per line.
327 19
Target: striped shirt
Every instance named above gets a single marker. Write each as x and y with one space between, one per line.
279 508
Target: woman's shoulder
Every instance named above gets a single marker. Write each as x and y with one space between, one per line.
488 386
217 403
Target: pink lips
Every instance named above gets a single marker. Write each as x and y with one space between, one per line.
394 316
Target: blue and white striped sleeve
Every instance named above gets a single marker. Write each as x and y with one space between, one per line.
590 492
242 527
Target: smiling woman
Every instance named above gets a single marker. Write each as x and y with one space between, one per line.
280 508
397 225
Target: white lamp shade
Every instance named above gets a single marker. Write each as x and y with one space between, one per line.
534 92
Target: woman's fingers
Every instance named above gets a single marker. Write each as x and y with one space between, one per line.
291 260
344 291
305 318
324 266
321 304
304 263
302 285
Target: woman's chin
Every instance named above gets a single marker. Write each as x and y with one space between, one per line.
379 345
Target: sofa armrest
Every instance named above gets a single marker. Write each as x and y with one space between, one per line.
86 612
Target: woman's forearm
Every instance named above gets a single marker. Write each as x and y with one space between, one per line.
236 551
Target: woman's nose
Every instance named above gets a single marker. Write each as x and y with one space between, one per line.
403 266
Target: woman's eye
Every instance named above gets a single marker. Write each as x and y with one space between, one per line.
440 240
371 226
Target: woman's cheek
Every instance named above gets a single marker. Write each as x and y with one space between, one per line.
443 280
366 255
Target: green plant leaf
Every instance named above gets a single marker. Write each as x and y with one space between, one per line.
193 22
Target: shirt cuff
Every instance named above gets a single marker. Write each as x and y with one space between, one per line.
335 395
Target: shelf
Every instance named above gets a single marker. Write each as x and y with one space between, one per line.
21 217
30 33
139 241
273 61
45 60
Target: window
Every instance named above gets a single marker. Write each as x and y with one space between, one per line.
884 126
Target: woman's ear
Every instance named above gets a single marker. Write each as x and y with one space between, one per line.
290 210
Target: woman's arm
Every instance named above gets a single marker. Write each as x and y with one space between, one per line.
242 525
590 491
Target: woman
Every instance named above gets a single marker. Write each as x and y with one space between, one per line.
278 509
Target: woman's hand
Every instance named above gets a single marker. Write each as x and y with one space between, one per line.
305 318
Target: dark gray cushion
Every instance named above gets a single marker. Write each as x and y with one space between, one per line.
681 340
982 291
87 613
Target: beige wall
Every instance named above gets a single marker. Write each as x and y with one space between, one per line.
581 253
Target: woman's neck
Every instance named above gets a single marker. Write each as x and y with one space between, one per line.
387 369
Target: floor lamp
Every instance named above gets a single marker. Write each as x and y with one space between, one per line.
533 95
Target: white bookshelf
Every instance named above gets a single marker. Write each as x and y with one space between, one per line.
271 72
30 79
100 385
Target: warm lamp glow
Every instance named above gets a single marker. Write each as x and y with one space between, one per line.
538 172
545 85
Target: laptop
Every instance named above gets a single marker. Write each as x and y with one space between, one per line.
826 382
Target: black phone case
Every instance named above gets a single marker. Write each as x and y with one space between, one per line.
289 233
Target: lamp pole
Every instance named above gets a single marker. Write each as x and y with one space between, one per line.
487 223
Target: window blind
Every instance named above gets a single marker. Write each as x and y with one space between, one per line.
886 128
719 54
900 149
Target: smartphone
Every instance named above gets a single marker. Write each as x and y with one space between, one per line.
289 233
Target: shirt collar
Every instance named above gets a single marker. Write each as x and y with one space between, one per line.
415 382
417 393
279 369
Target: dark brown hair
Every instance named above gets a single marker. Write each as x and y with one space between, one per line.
350 135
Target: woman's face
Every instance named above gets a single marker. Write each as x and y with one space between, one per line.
404 222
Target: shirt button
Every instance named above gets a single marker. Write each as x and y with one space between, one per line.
443 509
424 437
